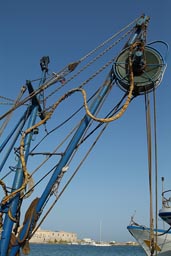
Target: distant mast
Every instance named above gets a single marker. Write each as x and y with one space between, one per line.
100 231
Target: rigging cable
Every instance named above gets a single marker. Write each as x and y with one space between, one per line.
114 110
26 175
149 139
90 63
68 182
64 122
56 78
71 132
108 40
57 197
156 162
6 121
64 140
76 170
49 115
149 149
66 185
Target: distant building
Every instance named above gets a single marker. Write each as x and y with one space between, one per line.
87 240
131 243
47 236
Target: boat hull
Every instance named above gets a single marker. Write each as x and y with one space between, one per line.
162 240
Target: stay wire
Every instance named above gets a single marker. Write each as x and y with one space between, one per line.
65 121
156 160
68 182
88 113
149 150
114 110
91 122
109 39
77 169
64 140
97 72
7 119
49 83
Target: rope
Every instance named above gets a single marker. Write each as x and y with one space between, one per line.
29 216
106 120
89 64
26 175
148 126
156 161
63 141
7 99
3 126
65 121
148 123
84 137
31 212
109 39
165 232
69 181
114 110
23 186
2 184
65 70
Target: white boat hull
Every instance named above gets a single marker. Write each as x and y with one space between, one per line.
162 240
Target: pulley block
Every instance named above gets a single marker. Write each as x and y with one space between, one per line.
147 66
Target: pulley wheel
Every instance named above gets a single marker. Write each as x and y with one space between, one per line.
149 78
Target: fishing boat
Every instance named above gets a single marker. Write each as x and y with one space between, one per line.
165 211
39 142
161 237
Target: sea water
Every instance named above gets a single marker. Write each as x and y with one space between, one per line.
84 250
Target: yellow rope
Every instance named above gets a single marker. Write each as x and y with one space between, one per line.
55 79
68 182
30 214
2 184
49 114
11 217
26 175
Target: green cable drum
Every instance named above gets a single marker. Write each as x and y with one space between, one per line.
147 79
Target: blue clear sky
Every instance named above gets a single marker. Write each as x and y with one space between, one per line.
113 183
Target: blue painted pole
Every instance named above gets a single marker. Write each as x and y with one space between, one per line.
73 143
19 125
139 33
4 143
18 180
67 154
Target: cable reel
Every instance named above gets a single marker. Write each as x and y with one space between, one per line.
148 67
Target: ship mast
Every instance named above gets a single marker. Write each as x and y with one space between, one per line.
131 71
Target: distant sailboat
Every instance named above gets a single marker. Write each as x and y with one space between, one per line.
101 243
